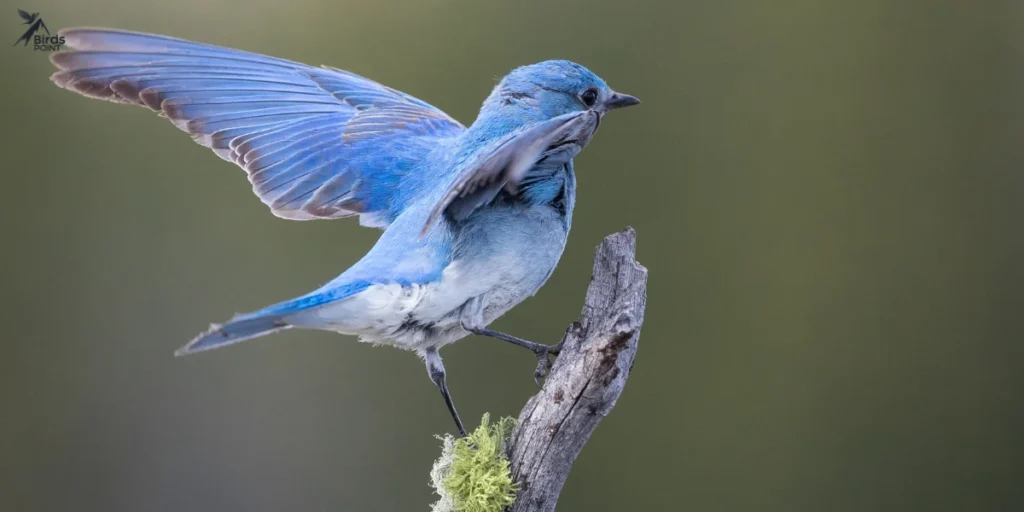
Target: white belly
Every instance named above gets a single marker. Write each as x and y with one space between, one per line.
499 273
397 315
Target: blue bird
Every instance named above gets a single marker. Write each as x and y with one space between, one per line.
475 219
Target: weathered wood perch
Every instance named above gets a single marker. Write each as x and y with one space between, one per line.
586 379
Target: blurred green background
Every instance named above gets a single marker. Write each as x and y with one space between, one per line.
828 196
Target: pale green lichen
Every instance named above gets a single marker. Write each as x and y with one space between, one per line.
472 474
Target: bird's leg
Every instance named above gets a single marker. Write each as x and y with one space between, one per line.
436 371
541 350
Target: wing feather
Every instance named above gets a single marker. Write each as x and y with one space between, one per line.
316 143
507 162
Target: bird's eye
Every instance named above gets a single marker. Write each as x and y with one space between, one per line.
589 97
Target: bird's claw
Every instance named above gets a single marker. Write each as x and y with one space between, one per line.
544 362
543 368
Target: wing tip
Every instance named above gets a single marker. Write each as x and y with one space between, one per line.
60 59
126 90
151 98
93 38
60 78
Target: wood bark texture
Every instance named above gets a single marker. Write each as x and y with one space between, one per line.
586 379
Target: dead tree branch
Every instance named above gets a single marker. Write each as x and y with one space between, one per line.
586 379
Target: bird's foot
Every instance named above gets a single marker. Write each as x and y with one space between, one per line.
541 350
544 361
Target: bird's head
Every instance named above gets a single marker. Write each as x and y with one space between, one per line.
548 89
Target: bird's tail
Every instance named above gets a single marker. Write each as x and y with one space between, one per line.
269 319
240 328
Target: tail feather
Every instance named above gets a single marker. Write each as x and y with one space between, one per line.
240 329
269 319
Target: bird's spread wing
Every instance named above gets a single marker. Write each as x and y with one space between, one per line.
317 143
507 161
26 16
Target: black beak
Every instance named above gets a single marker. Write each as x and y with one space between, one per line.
619 100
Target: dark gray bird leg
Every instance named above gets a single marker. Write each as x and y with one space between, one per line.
436 371
539 349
